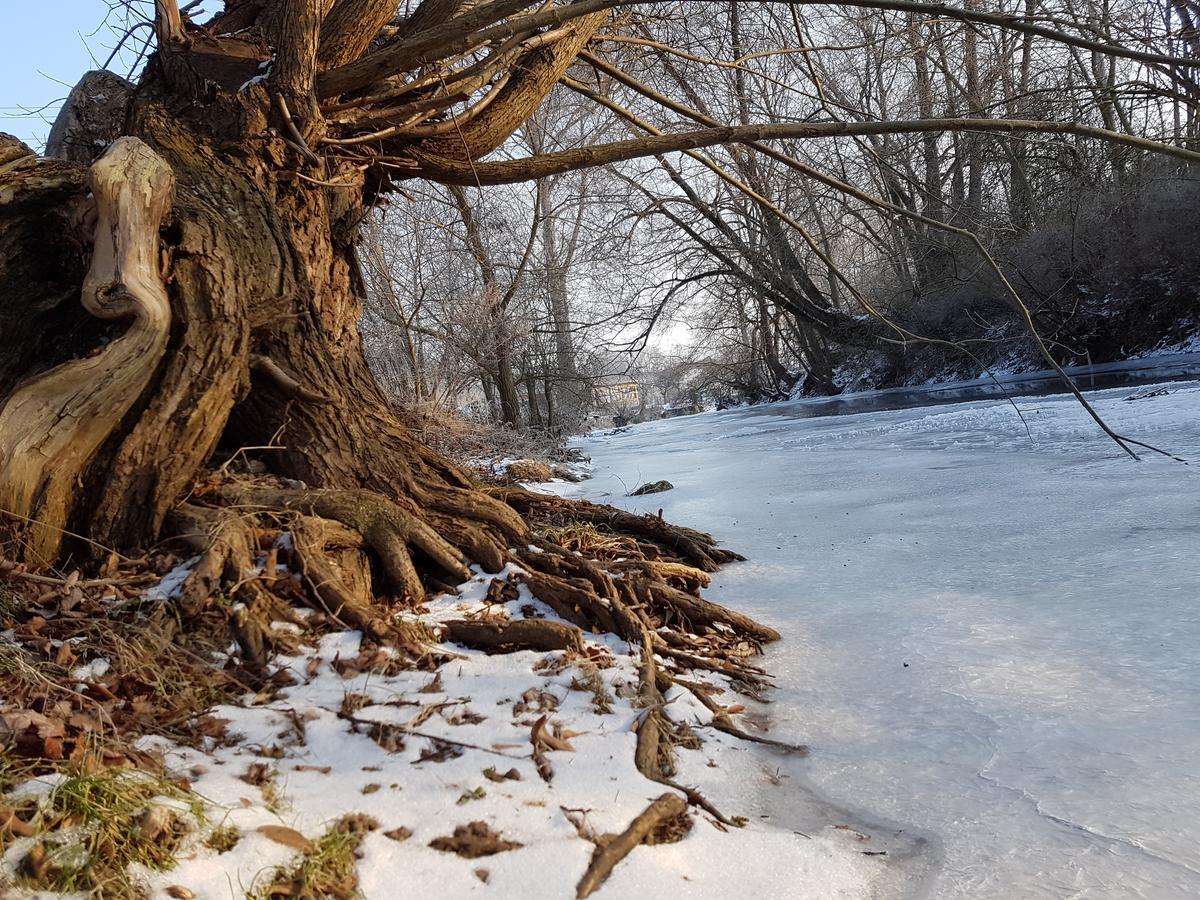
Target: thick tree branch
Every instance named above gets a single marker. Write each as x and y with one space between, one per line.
537 72
297 37
484 24
168 24
441 41
533 167
349 29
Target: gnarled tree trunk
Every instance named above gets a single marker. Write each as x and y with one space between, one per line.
259 346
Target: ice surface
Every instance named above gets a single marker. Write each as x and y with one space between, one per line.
991 637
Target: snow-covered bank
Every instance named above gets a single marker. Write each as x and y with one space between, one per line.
408 757
990 638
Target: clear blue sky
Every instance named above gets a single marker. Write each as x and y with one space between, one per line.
44 48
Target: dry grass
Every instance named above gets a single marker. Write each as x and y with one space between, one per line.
591 542
223 838
93 827
327 870
479 446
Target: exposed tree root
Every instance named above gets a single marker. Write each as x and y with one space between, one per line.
695 548
388 526
509 637
607 855
652 755
327 540
651 596
722 721
271 546
330 560
228 547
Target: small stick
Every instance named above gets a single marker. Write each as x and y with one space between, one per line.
358 721
722 721
605 859
66 582
296 138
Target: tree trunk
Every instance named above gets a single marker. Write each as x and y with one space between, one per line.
501 355
263 349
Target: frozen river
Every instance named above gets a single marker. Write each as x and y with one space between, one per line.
990 640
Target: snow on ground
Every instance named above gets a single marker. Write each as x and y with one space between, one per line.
296 761
990 639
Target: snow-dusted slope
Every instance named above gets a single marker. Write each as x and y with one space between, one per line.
992 641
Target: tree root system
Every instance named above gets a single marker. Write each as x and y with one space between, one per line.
265 551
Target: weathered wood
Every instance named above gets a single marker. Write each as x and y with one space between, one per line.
349 29
92 117
648 755
339 581
536 72
296 40
51 427
701 612
168 24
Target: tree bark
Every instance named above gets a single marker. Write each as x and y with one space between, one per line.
52 426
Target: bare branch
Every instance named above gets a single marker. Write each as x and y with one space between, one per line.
544 165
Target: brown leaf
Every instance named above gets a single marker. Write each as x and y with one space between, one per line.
289 837
543 738
257 774
65 656
11 825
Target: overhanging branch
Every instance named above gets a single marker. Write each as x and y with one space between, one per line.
547 164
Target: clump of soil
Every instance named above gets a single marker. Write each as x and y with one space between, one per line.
473 840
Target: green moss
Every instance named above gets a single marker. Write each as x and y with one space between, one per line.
223 838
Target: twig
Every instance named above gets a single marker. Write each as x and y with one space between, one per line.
722 722
67 582
285 382
296 141
356 720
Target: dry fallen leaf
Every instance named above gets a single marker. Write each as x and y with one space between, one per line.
289 837
543 738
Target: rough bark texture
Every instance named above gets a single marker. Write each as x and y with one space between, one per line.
92 117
